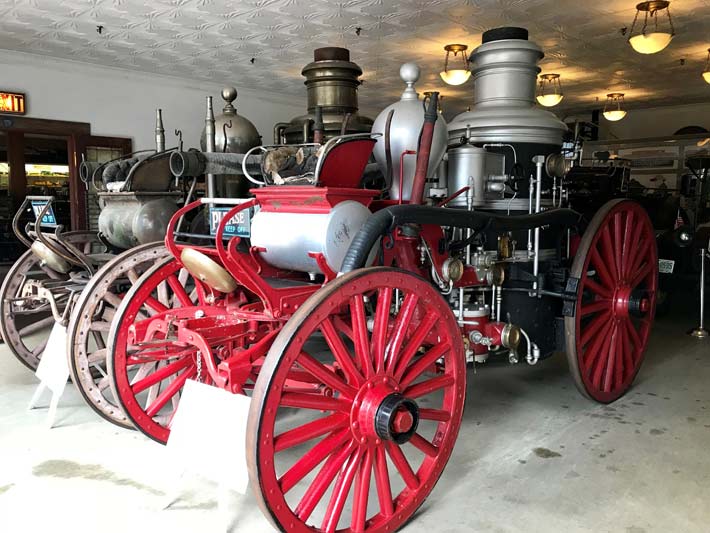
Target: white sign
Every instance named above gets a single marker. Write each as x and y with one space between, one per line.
207 416
53 370
665 266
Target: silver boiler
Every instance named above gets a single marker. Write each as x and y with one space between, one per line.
405 127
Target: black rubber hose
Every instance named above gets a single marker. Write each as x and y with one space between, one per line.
387 219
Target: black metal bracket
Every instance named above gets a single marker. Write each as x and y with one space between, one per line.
570 296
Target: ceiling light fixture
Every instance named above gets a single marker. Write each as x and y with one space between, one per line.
706 72
455 76
651 42
549 90
613 110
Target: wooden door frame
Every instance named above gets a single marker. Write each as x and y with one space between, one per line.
78 137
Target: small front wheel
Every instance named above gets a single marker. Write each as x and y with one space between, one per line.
364 387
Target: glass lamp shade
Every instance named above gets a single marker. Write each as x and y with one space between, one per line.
614 115
650 43
706 76
455 76
549 100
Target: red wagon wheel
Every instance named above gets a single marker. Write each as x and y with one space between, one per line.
90 323
147 377
394 395
617 268
25 327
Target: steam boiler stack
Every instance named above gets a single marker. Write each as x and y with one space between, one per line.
228 132
504 111
209 144
331 83
159 131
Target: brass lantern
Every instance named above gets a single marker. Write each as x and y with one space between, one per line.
655 38
613 109
706 72
549 90
460 73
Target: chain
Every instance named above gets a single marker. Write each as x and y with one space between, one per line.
199 367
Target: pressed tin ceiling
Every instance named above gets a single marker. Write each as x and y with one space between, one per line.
216 40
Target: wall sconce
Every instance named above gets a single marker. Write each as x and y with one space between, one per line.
706 72
549 90
613 110
654 41
456 76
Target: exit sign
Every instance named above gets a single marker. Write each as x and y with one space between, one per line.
12 103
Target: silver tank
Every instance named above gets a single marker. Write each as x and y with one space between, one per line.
475 167
289 237
505 75
128 219
234 134
405 128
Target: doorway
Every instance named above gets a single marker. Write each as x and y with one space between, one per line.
42 157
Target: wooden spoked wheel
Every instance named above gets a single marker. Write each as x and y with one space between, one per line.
386 353
25 327
90 323
147 374
617 268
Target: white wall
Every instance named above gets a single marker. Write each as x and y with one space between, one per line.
122 103
659 121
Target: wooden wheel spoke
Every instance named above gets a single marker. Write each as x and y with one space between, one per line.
340 352
362 493
427 387
618 245
360 334
641 254
635 339
309 431
325 375
399 361
424 445
597 370
312 458
169 391
97 356
631 235
340 492
155 305
424 362
590 355
179 291
608 251
402 465
397 338
601 269
160 375
438 415
379 332
382 482
37 350
315 491
318 402
612 362
641 274
597 289
30 329
591 329
595 307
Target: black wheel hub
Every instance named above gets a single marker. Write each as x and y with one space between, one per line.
397 418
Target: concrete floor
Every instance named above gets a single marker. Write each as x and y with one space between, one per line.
532 455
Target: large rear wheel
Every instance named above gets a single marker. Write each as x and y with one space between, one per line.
90 323
386 354
617 268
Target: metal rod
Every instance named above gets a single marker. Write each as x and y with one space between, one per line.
210 144
539 162
159 131
700 332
